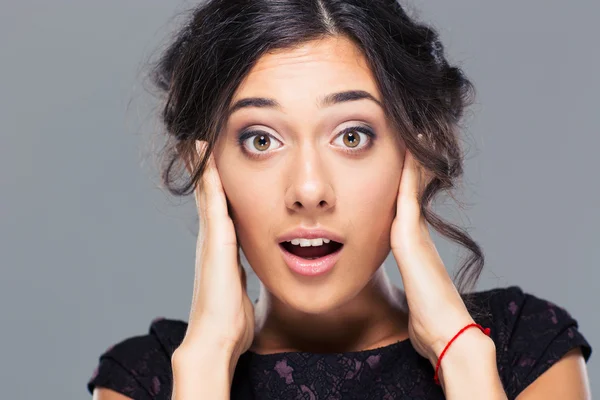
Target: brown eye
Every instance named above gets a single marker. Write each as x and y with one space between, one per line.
256 144
356 139
351 139
261 142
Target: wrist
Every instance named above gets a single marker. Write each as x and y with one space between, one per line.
206 353
203 370
201 346
466 339
470 358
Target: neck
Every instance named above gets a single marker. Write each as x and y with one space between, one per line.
374 318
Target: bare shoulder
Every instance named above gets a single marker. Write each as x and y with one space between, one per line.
101 393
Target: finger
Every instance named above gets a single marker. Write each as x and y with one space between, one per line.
408 209
409 179
212 197
417 252
198 189
414 179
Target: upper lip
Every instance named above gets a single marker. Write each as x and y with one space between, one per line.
310 233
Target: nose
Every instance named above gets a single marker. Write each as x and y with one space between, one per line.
310 191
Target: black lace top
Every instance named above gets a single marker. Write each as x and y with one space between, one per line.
530 334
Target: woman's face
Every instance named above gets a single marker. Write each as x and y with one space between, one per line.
304 173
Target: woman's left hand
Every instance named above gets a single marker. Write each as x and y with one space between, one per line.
436 310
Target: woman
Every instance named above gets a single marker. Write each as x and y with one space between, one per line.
315 134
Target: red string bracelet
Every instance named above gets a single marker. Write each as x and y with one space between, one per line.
484 330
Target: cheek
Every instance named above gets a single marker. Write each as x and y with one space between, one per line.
371 200
252 202
370 206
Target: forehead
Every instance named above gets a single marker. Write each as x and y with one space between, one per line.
313 67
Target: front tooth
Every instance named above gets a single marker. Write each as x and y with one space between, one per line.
316 242
304 242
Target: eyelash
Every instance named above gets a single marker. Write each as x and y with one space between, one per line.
361 129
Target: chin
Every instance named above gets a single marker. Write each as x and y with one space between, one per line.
313 308
314 301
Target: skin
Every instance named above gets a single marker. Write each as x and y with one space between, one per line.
371 200
306 178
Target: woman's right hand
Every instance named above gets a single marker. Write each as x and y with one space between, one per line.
221 314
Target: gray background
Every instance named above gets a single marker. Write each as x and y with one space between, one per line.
92 250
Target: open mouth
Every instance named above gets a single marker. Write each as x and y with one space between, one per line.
312 252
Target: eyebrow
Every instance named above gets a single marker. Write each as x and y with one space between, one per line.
326 101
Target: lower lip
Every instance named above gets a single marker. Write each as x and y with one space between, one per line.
318 266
